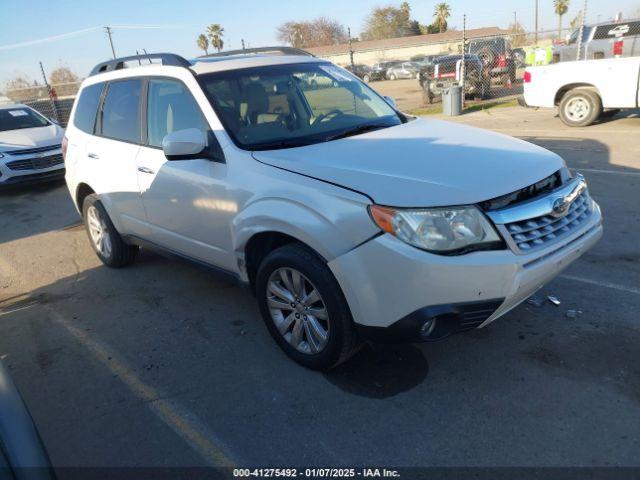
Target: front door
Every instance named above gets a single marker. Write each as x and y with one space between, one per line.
187 202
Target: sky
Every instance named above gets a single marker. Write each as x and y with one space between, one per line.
180 22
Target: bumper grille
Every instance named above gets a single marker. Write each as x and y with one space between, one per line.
36 163
539 232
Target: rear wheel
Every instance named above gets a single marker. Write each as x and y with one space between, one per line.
304 309
366 78
580 107
104 238
392 76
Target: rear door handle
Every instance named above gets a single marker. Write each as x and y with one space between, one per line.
146 170
93 155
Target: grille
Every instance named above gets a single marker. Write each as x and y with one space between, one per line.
26 151
36 163
539 232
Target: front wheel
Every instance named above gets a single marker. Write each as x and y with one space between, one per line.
366 78
580 107
104 238
304 309
392 76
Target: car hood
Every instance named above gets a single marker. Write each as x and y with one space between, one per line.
422 163
30 137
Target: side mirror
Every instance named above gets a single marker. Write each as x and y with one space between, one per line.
390 101
184 144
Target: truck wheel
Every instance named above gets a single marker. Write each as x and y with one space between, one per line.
580 107
304 309
105 239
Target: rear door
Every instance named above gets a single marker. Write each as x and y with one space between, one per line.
112 152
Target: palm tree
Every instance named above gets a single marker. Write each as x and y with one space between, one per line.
441 13
203 43
215 32
560 7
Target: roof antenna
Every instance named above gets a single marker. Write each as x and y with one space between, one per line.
138 54
145 52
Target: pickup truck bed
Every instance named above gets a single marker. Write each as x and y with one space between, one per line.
583 89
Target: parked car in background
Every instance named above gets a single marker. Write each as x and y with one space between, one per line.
22 453
30 146
496 55
583 90
446 72
602 40
363 72
424 60
403 70
379 70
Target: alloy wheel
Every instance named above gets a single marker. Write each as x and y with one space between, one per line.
298 310
99 232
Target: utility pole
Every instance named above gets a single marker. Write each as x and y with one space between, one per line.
350 46
108 30
536 22
242 41
583 19
464 47
52 94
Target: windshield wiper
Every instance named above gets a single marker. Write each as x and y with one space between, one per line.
279 144
369 127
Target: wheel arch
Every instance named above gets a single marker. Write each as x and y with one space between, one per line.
562 91
83 190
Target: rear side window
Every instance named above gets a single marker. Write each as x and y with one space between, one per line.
170 108
613 30
87 107
121 111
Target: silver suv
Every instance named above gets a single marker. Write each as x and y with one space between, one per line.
348 219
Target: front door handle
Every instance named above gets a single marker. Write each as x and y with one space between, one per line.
146 170
93 155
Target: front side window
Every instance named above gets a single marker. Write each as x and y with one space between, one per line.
285 106
171 107
85 115
19 118
121 111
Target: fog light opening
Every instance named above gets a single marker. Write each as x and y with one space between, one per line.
427 328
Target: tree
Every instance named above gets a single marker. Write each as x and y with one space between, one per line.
577 20
19 82
518 35
314 33
215 32
415 28
440 15
203 43
63 74
388 22
560 7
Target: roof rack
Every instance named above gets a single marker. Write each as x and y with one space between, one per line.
119 63
252 51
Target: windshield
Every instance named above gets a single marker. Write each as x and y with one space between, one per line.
20 117
286 106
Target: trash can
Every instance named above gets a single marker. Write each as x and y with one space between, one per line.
452 101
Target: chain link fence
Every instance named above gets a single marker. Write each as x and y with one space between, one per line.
53 101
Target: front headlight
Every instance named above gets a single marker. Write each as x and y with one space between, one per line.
447 230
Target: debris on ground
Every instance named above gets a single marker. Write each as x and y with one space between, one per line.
535 301
573 313
553 300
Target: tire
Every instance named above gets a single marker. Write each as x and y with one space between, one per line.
392 76
340 341
366 78
580 107
487 56
112 250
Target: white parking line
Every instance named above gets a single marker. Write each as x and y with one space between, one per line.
614 286
183 422
595 170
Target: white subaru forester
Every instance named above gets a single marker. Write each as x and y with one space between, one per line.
348 219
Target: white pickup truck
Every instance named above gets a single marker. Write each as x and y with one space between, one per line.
583 90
